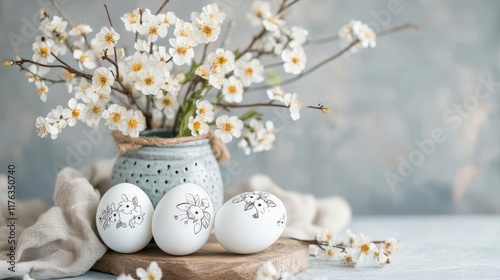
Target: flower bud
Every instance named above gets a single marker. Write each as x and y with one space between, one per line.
8 62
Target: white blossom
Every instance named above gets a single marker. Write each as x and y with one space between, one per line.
381 256
143 46
42 90
115 116
228 127
273 23
365 247
205 110
356 30
152 273
294 105
167 103
102 80
214 13
69 80
329 254
326 236
276 93
77 111
260 10
249 70
171 84
34 73
94 113
42 51
267 272
85 59
44 128
135 63
149 81
124 276
348 257
232 89
57 25
391 244
367 36
152 26
167 19
198 125
185 30
106 38
134 123
352 238
221 60
206 29
131 20
80 30
298 37
295 60
216 79
203 71
181 51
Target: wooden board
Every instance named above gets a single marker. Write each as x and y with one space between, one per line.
210 262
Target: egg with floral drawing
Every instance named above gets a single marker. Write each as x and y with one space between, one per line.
250 222
124 218
183 220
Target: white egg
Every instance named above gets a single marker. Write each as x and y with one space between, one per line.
183 220
124 218
250 222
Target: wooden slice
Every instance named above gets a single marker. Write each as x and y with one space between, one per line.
210 262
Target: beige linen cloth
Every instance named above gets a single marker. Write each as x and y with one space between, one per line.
62 241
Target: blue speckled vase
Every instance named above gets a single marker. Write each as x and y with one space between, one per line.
156 170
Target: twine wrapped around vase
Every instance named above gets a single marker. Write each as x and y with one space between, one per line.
127 144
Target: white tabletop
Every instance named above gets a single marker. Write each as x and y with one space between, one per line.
433 247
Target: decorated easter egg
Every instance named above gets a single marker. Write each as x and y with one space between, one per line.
124 218
183 220
250 222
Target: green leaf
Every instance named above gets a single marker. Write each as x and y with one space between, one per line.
272 77
252 113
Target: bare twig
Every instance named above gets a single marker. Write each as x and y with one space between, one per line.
335 56
162 6
228 106
61 13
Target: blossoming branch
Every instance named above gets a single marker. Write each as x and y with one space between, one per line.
176 78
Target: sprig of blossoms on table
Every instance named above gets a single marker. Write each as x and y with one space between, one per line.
269 272
153 272
174 76
359 248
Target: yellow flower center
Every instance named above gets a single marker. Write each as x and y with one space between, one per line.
136 66
207 30
76 113
349 259
228 127
83 58
196 126
41 90
202 110
132 18
116 117
365 248
132 123
109 38
153 30
232 89
330 253
167 102
249 72
221 60
295 60
103 80
151 276
149 81
96 109
258 13
43 51
181 50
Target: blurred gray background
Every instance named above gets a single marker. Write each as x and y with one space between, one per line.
383 102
